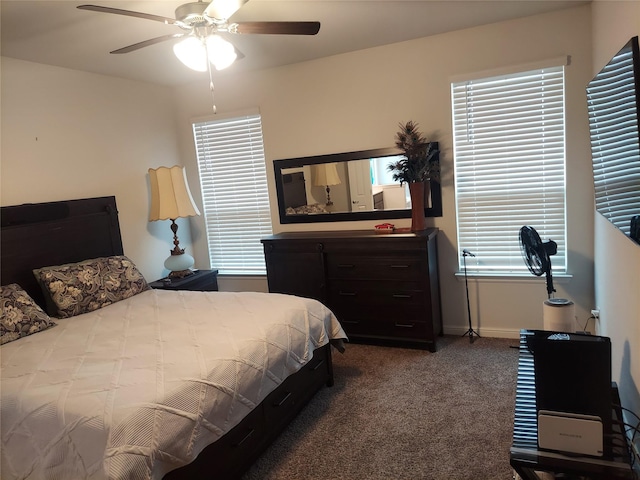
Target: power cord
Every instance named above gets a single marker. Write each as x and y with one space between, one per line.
627 427
584 329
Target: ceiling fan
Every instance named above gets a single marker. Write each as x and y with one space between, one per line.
203 22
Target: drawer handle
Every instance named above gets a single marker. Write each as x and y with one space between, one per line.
346 265
401 295
320 363
404 325
399 266
347 294
281 402
245 438
350 322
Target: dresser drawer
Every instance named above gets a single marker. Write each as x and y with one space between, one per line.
383 267
397 328
345 311
363 294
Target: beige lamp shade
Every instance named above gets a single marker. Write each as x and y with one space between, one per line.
325 174
170 195
171 199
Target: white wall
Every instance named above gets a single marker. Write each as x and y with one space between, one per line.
617 258
355 102
68 134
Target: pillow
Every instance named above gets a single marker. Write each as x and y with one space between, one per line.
19 314
82 287
315 208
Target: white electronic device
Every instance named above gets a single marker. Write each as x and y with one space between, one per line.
570 433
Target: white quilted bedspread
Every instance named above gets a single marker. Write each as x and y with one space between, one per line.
140 387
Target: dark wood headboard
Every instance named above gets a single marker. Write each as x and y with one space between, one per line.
37 235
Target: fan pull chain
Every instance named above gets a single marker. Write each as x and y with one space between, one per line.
213 100
212 97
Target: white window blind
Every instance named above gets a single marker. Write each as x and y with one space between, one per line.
613 123
509 156
234 189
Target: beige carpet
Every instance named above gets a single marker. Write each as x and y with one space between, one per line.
397 413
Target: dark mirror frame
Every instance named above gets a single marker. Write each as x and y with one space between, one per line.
279 165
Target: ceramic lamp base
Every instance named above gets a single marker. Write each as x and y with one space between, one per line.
179 265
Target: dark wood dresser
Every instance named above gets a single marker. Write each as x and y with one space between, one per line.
381 286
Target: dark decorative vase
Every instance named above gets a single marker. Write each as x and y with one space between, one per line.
416 192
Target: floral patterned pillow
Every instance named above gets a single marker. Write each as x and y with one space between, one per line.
19 314
86 286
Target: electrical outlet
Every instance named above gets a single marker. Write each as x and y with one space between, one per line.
595 314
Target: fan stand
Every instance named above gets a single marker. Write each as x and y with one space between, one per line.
549 278
470 332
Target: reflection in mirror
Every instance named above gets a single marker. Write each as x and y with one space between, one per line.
346 186
613 100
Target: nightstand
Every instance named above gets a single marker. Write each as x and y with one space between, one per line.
201 280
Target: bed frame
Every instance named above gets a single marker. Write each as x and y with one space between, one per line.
54 233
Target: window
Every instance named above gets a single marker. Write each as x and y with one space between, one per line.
509 166
380 174
233 180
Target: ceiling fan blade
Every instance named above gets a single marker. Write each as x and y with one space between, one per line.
276 28
223 9
129 13
146 43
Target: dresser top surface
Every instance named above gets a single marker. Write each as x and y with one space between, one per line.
355 234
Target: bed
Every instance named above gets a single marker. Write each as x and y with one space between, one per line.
158 384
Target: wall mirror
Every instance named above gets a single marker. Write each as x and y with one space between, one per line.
345 187
613 101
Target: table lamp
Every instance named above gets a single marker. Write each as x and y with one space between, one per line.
325 175
171 199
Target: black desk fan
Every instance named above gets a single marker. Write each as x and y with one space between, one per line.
537 255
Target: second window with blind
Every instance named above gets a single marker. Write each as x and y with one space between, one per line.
233 181
509 154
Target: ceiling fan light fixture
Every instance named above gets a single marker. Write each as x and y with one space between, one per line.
192 52
221 53
220 10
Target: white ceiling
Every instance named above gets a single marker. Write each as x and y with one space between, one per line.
55 32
